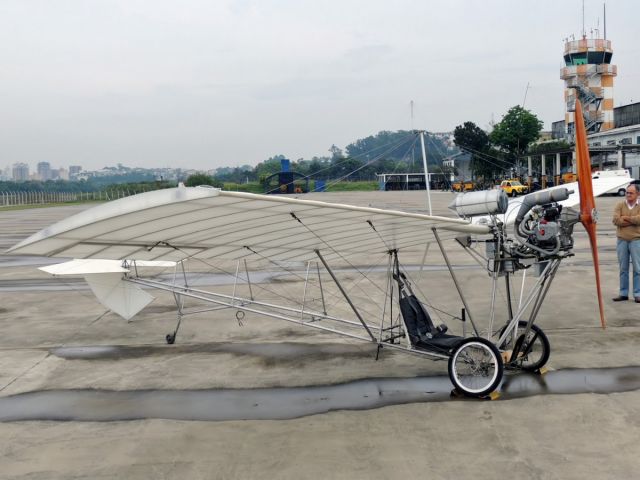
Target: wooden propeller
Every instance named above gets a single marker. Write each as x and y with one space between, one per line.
588 212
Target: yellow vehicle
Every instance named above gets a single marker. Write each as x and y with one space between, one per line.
463 186
513 187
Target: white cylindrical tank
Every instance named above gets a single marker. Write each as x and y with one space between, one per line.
486 202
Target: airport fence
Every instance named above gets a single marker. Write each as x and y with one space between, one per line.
43 198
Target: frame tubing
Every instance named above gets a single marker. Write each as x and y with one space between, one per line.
235 283
386 298
324 306
304 292
344 293
248 279
542 295
455 280
274 315
507 286
535 291
187 291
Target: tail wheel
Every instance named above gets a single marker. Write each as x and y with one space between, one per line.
476 367
532 353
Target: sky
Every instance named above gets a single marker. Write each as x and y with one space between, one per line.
206 84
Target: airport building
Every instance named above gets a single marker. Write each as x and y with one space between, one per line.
588 76
613 133
618 147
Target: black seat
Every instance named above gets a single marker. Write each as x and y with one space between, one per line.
417 319
421 329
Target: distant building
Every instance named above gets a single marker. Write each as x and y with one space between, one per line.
413 181
63 174
559 130
545 136
44 171
617 148
74 170
20 172
627 115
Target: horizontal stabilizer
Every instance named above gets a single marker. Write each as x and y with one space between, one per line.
85 266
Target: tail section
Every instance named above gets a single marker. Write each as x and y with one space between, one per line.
107 282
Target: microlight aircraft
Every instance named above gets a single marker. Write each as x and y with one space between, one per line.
114 242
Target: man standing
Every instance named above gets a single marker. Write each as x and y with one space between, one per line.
626 217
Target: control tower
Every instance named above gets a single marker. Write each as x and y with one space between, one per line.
588 76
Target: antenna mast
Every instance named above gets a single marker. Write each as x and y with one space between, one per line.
584 32
426 171
526 90
411 106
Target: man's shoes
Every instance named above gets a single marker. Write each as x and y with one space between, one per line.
622 298
637 299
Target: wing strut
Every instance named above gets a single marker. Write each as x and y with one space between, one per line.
455 280
344 293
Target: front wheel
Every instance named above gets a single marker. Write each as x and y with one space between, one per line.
621 192
476 367
514 193
530 353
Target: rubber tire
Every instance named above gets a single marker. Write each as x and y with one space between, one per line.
621 192
492 383
546 347
514 193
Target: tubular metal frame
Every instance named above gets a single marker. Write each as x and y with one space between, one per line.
297 315
383 337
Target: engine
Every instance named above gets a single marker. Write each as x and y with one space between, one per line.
543 230
548 228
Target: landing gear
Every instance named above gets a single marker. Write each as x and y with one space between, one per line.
531 353
476 367
171 337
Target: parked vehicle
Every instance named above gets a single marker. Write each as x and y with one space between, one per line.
460 186
513 187
622 173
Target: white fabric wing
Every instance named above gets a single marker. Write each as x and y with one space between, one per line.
183 222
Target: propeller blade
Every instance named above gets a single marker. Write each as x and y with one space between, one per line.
588 213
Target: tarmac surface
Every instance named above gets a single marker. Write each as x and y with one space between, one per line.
84 394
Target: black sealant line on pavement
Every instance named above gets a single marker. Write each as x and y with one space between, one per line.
287 403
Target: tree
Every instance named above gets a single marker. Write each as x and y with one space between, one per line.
201 179
515 132
470 137
269 166
336 153
473 139
549 147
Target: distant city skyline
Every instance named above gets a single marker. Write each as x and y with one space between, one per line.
204 85
21 172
